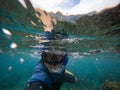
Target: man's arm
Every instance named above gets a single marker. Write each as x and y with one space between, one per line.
36 86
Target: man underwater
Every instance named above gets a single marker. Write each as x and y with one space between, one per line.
50 72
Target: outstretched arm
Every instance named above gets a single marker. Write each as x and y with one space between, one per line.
36 86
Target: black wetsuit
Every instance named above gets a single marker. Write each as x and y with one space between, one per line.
42 79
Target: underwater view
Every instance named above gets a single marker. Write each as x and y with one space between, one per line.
93 46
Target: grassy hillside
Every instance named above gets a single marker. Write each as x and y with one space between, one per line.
12 13
107 22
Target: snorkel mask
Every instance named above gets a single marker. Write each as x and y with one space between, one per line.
54 61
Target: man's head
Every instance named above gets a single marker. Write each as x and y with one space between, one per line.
53 58
54 61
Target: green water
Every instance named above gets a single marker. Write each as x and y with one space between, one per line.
92 59
91 71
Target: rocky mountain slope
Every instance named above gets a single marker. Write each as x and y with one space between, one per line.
12 13
107 22
69 18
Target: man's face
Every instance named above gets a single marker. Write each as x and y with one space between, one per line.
55 68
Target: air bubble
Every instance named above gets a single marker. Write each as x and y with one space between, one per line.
21 60
7 32
13 45
10 68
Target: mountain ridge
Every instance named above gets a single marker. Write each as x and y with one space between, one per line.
69 18
94 24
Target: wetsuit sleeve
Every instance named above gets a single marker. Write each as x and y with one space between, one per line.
36 86
66 61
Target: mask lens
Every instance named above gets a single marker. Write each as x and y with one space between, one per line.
54 59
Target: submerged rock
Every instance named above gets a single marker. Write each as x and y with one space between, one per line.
111 85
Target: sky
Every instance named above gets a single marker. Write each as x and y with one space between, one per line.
73 6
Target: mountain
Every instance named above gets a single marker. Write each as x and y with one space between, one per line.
13 14
91 13
69 18
104 23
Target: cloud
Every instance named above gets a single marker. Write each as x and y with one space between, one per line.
86 6
45 4
68 3
73 6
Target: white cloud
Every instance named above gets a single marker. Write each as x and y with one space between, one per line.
45 4
68 3
86 6
66 6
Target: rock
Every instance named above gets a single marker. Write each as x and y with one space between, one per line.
111 85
